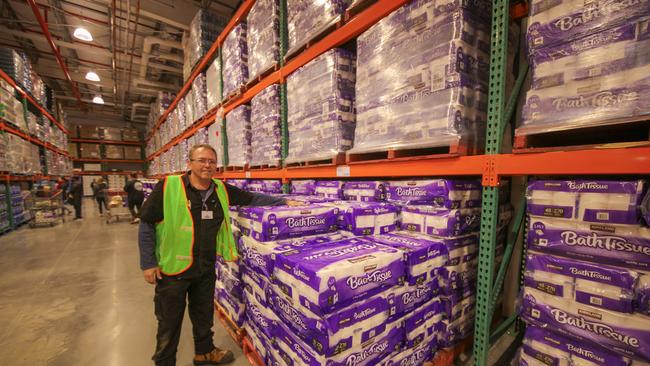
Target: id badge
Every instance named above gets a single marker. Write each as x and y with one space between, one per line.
206 215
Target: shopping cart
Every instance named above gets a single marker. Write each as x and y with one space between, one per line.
46 209
116 207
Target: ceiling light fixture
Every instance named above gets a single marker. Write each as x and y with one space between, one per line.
98 99
92 76
82 34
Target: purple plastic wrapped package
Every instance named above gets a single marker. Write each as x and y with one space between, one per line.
364 191
213 84
436 192
265 186
321 115
304 187
204 29
329 188
625 334
325 277
283 222
260 341
307 199
601 286
239 183
265 127
556 22
258 313
235 60
376 346
422 254
440 222
619 245
543 344
615 202
365 218
238 129
426 65
233 307
260 256
263 36
451 332
338 331
229 280
412 356
199 95
308 19
420 324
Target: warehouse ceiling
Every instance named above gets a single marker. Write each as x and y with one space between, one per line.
136 49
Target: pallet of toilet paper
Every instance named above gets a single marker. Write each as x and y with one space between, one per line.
586 279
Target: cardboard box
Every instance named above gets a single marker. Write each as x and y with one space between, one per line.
114 151
130 135
112 133
132 152
88 132
72 149
89 151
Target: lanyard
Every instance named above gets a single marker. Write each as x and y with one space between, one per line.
205 195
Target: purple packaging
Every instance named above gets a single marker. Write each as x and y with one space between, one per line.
256 285
233 307
618 245
413 356
460 305
329 276
364 191
260 341
411 297
625 334
419 325
283 222
338 331
239 183
615 202
582 350
230 283
305 187
362 218
263 317
329 188
376 346
451 332
265 186
422 255
587 283
439 221
555 22
436 192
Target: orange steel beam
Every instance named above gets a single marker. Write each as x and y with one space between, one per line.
5 127
239 15
109 142
31 100
581 162
89 160
205 121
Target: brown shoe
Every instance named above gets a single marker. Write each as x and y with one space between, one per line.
216 357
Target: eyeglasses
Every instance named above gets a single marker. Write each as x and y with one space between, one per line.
205 161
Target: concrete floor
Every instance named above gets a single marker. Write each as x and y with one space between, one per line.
74 295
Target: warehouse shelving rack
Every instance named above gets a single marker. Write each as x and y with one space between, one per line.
616 159
106 142
92 160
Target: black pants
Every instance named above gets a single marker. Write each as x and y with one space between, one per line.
134 207
169 301
77 209
101 201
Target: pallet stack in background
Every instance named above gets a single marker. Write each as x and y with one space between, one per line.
586 293
335 281
5 223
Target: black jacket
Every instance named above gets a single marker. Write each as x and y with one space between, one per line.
133 194
205 231
76 191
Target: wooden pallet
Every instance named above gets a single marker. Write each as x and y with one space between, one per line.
357 8
235 93
265 167
446 151
320 35
236 168
250 352
614 135
337 159
273 68
447 356
231 327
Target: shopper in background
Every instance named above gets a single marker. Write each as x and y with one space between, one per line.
100 191
178 253
64 185
75 194
134 197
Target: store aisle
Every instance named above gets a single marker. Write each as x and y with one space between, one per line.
74 295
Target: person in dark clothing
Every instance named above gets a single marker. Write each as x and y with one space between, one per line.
203 198
64 185
134 197
75 193
100 191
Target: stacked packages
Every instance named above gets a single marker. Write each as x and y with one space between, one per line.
586 280
263 36
239 136
204 29
265 127
425 65
590 64
213 84
320 97
308 19
235 60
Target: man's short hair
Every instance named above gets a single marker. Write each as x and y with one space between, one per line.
201 146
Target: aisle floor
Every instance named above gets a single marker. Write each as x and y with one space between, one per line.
74 295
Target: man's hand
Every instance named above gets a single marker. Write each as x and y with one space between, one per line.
151 274
294 203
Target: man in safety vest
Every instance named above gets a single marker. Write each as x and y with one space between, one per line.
184 226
